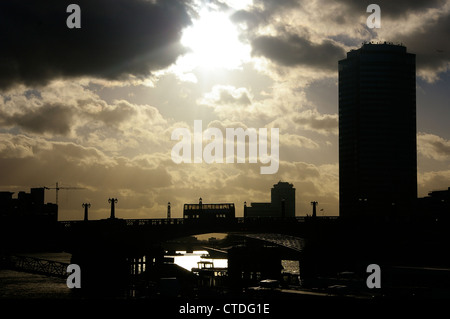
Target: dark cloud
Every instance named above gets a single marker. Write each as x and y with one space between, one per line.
262 11
60 118
114 115
389 8
430 43
49 118
116 39
293 50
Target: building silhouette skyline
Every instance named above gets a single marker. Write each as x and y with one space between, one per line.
282 203
377 131
27 206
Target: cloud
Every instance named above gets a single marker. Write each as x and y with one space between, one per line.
71 112
38 162
318 33
432 52
115 114
420 25
116 39
434 180
262 11
145 183
433 146
19 146
48 118
297 141
293 50
391 9
226 95
321 123
121 148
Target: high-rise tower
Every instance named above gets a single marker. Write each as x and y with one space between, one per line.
377 131
283 193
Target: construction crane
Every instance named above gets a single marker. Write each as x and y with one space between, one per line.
57 188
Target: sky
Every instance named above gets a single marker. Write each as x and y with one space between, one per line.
95 107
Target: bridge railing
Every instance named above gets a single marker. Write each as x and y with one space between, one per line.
297 219
69 223
34 265
154 221
181 221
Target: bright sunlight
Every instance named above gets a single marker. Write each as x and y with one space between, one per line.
214 43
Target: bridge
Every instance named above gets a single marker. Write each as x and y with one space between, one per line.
117 248
291 242
109 240
34 265
108 247
139 234
166 228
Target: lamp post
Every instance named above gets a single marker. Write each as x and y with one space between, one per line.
314 204
112 201
86 206
168 210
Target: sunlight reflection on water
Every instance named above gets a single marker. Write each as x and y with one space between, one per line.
190 260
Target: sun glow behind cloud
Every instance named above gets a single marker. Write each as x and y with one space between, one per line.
213 41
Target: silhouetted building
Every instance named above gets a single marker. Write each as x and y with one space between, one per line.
6 204
377 131
248 265
208 211
37 196
436 205
260 210
27 207
282 203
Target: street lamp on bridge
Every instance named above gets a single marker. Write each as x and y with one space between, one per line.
112 201
86 206
314 204
168 210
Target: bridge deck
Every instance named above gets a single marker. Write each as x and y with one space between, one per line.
183 221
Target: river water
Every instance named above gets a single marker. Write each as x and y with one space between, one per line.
191 260
21 285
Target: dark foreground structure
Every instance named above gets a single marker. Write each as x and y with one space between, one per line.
377 132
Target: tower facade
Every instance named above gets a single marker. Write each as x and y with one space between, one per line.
283 194
377 131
